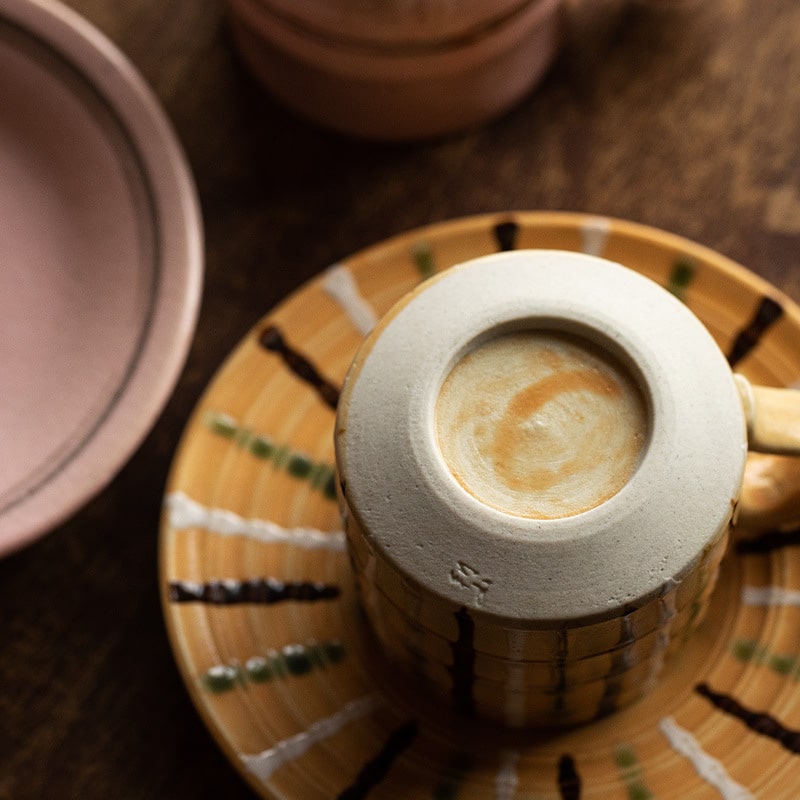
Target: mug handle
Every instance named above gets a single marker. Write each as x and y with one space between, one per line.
771 490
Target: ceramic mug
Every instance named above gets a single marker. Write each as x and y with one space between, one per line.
540 458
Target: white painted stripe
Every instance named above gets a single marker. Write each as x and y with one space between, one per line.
187 513
514 689
340 284
515 693
708 768
770 596
507 779
516 643
668 612
595 235
193 588
264 764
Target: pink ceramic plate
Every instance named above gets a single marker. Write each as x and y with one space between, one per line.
102 264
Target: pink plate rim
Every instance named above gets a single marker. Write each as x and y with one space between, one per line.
166 334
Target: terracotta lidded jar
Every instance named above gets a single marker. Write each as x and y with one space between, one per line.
407 69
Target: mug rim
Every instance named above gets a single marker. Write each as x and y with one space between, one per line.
674 508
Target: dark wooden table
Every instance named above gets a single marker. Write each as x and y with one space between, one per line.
689 121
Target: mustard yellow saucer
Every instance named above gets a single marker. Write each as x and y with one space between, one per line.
258 593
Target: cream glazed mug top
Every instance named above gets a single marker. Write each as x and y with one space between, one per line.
560 611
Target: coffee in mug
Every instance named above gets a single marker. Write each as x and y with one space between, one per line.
540 424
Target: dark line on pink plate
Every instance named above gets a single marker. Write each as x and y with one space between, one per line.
261 591
377 768
117 132
758 721
272 339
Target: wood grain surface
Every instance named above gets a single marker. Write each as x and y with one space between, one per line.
686 119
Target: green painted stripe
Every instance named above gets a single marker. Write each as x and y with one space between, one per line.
632 773
292 661
423 257
280 458
753 652
681 277
223 425
748 650
320 475
261 447
299 465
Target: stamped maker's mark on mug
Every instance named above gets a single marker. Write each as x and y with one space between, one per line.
470 578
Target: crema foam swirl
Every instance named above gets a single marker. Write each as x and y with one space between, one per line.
540 424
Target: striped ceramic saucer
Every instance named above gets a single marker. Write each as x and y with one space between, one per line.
258 592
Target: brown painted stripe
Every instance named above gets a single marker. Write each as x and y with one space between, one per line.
768 542
462 672
456 774
569 782
767 313
560 666
506 235
272 339
758 721
376 769
620 664
263 591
